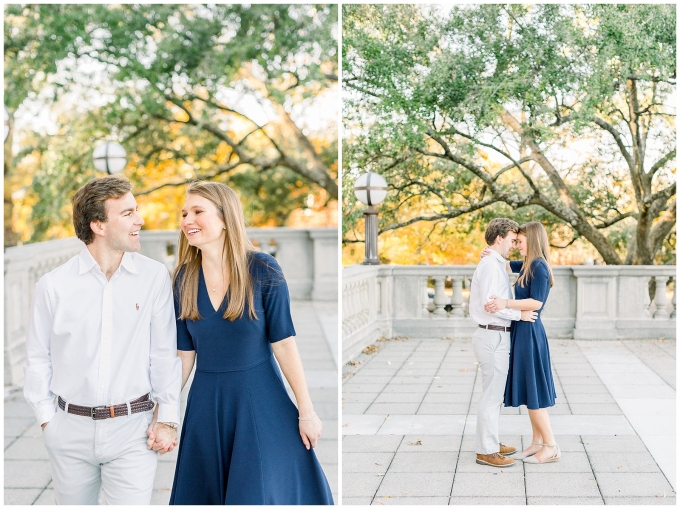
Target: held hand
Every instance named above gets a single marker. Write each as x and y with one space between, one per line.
495 304
43 425
162 438
485 252
310 431
529 316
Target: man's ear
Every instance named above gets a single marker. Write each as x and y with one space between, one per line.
97 227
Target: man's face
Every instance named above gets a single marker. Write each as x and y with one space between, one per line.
121 229
506 244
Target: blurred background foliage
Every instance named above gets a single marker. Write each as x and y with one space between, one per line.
241 94
563 114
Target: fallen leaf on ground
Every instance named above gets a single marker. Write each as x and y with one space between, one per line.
370 349
464 370
417 442
345 425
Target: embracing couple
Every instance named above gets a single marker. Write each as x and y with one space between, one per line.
109 349
510 342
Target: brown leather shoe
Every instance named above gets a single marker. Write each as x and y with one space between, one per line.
495 460
506 450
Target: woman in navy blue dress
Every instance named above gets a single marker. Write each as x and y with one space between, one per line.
243 440
530 380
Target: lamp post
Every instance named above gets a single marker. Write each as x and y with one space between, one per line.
371 189
8 123
109 157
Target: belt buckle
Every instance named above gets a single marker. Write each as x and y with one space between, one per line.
93 413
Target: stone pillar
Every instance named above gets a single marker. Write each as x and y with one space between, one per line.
325 251
660 297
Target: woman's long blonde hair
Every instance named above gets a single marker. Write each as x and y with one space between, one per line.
235 253
538 246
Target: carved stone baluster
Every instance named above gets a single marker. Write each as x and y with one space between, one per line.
439 296
660 298
457 296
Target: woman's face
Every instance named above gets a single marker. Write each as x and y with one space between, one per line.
201 222
522 244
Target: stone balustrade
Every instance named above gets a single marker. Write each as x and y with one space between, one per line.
308 258
586 302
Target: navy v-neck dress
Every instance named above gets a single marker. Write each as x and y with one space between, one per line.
530 380
240 442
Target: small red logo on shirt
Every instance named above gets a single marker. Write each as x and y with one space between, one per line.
137 306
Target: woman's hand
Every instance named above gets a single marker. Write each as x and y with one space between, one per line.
310 430
495 304
485 252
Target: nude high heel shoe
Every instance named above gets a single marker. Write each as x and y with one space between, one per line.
555 457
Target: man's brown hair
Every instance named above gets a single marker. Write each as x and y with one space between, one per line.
88 202
499 226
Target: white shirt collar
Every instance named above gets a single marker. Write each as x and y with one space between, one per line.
497 256
86 261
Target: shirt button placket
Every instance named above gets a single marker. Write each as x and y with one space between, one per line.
104 361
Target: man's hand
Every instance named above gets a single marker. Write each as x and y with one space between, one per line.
529 316
495 304
43 425
310 431
162 438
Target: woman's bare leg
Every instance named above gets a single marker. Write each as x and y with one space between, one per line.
536 437
541 420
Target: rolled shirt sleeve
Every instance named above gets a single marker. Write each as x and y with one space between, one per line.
38 365
165 365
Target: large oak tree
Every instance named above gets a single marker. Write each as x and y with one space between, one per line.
563 111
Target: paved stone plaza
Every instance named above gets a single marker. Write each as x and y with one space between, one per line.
27 471
409 417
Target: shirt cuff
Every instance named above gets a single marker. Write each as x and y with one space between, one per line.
517 314
168 413
45 412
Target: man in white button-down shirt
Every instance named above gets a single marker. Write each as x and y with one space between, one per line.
101 347
491 340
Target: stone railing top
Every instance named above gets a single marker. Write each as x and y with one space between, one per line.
353 271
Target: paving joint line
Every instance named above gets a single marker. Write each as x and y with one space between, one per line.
631 426
647 365
432 379
388 469
379 393
592 470
563 392
462 435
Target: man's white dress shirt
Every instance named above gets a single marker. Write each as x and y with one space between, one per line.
491 278
95 341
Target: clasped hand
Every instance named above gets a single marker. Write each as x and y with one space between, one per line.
162 438
310 431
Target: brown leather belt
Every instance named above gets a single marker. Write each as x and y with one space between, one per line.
495 327
97 413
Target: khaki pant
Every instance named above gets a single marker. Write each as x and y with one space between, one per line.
108 456
492 349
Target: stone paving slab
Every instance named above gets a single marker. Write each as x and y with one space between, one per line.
416 484
434 422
